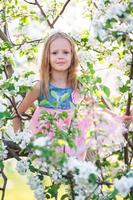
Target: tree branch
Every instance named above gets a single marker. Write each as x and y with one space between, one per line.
28 42
3 36
12 101
43 13
30 2
126 159
61 12
4 185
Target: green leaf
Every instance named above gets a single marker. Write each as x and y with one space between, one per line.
98 80
92 179
109 23
53 190
54 94
55 103
124 88
113 194
1 164
5 115
106 90
44 102
90 67
64 96
65 196
63 115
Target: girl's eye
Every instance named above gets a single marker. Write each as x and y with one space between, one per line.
55 52
66 52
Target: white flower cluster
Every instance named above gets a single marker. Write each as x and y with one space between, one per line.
23 138
41 141
40 163
18 81
3 151
22 167
2 106
124 184
57 175
36 185
81 171
111 11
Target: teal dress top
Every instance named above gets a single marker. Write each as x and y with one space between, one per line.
58 98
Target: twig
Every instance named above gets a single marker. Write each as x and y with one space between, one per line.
28 42
61 12
3 36
88 197
126 159
71 181
4 185
43 13
13 104
33 3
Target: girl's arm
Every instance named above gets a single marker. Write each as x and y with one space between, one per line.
25 104
124 118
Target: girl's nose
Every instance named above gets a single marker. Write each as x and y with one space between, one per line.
60 55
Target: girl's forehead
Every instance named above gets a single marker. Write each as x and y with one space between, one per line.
60 42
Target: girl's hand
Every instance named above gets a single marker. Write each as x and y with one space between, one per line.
127 118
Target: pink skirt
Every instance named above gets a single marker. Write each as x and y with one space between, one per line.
99 131
80 140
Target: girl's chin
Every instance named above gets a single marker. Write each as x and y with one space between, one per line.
60 69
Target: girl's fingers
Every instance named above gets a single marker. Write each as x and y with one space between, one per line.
127 118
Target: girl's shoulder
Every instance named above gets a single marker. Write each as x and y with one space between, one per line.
37 86
36 89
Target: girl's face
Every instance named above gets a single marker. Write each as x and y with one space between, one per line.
60 55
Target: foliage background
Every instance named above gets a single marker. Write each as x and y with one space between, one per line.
104 50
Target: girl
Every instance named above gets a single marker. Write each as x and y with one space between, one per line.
58 80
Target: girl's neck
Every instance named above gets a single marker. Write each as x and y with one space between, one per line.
59 79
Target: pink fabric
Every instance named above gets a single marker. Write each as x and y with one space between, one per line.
107 129
83 125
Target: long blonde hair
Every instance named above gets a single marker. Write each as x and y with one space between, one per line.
45 70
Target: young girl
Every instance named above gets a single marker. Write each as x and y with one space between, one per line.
58 75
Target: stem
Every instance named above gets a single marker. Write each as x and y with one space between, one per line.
126 156
43 13
4 185
61 12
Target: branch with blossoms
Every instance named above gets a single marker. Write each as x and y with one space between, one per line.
51 25
41 153
128 113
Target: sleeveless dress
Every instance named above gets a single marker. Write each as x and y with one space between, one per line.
107 130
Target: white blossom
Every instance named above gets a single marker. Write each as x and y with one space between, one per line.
23 138
39 193
36 185
124 185
3 151
34 182
22 166
103 34
41 141
2 107
115 10
81 171
56 176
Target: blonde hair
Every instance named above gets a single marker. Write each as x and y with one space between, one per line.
45 70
